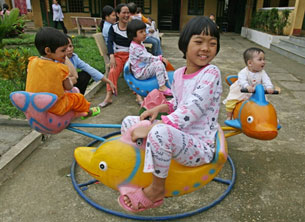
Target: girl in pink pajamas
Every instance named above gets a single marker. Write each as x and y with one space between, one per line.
143 64
187 133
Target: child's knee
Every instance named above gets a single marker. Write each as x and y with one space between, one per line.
127 122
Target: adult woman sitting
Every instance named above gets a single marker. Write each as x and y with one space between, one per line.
117 45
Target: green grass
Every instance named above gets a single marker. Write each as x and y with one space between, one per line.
85 48
23 39
6 107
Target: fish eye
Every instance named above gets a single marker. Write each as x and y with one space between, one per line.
103 166
250 119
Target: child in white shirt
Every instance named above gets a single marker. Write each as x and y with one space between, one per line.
248 78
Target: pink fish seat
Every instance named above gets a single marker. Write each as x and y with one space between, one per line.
35 106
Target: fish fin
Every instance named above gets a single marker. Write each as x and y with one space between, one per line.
233 123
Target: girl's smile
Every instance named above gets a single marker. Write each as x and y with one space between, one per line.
201 51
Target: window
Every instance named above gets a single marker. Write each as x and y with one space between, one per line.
75 6
266 3
195 7
144 4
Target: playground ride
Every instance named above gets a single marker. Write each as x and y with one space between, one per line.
143 87
115 172
35 106
255 117
118 165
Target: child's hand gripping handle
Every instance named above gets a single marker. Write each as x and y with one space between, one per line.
139 141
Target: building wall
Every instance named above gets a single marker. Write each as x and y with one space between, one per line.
297 22
37 18
210 7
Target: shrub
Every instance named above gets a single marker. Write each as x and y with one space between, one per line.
271 21
13 66
9 24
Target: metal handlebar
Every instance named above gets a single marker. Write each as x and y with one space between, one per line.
244 90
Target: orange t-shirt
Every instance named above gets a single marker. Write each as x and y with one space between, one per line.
48 76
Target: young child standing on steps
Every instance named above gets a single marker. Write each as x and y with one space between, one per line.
47 73
143 64
248 78
187 133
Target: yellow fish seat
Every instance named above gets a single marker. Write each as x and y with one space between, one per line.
116 164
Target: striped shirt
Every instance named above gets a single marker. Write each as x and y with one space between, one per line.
117 40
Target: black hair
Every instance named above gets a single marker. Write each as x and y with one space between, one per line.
132 7
139 10
69 37
133 26
249 53
107 10
49 37
5 6
196 26
119 7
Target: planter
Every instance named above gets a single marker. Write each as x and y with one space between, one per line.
261 38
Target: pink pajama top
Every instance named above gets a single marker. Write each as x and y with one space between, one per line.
196 102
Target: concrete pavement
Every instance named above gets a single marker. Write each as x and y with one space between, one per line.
270 174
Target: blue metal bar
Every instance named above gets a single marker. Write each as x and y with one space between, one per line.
87 183
86 134
90 125
227 182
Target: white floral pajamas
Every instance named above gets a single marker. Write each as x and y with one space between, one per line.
144 65
188 132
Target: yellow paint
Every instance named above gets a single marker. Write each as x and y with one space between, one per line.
119 161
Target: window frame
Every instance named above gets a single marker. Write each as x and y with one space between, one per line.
196 10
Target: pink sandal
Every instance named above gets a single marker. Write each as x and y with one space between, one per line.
136 197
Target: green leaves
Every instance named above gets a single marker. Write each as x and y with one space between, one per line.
271 21
10 24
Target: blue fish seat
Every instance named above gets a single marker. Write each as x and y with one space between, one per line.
143 87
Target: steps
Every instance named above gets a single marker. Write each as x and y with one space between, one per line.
29 26
293 48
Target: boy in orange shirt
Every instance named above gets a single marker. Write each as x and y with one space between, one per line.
47 73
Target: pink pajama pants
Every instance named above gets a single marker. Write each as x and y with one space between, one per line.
157 69
165 143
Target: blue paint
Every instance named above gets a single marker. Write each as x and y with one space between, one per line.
50 120
32 99
196 185
259 96
217 148
135 169
176 192
59 124
231 77
32 121
212 171
26 102
143 87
